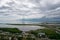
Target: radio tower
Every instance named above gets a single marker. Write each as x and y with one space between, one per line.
23 19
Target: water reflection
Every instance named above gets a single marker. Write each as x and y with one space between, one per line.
22 27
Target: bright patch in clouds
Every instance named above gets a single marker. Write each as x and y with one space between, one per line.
13 10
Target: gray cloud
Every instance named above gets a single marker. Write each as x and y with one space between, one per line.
15 9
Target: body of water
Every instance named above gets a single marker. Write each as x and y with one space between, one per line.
22 27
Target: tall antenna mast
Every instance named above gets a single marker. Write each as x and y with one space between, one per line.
23 19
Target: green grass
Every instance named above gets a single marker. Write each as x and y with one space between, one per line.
49 32
12 30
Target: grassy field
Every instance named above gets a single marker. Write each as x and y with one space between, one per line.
50 33
12 30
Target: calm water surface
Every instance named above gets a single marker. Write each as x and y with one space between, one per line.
22 27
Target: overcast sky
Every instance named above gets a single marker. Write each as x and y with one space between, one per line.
15 10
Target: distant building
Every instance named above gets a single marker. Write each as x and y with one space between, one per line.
41 35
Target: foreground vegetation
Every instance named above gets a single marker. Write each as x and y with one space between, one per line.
11 30
50 33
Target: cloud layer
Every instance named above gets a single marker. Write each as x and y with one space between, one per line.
12 10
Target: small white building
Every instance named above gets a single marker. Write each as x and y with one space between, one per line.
41 35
